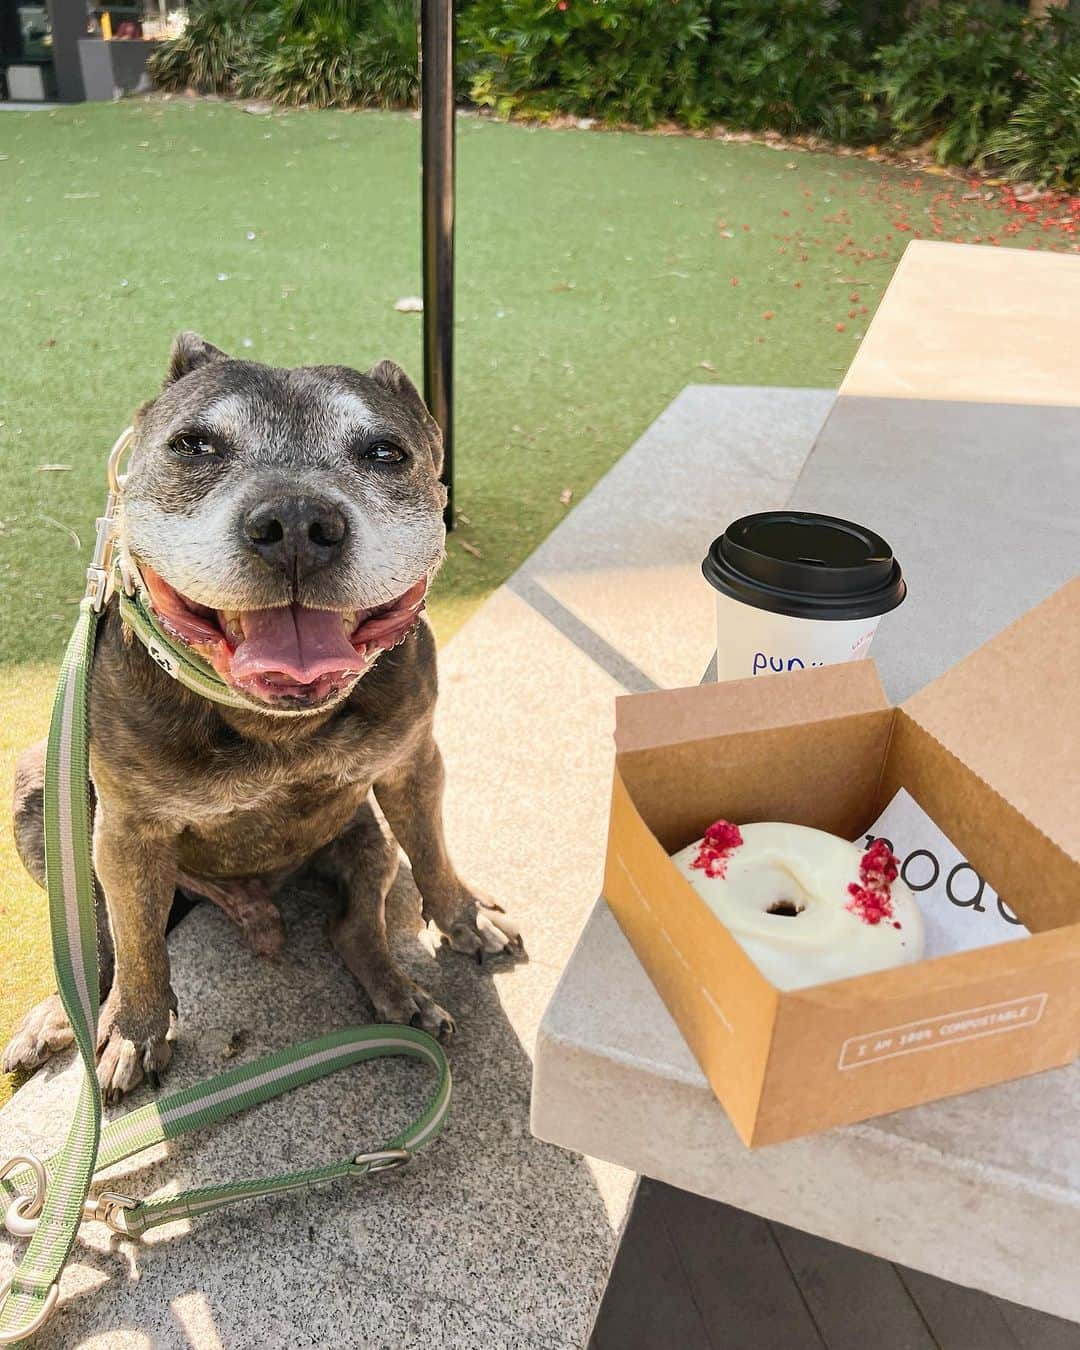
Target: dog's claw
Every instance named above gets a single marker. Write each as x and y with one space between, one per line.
412 1006
480 930
125 1061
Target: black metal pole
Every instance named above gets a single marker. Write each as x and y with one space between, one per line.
437 157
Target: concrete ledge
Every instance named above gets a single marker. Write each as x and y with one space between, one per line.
928 1188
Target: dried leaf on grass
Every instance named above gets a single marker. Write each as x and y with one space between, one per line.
76 541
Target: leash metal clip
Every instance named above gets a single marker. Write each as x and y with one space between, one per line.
98 574
22 1214
382 1159
104 1207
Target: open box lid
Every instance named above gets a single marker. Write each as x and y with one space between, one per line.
1011 712
701 712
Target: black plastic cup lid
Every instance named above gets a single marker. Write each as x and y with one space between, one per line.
805 565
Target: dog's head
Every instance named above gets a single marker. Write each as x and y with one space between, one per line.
286 522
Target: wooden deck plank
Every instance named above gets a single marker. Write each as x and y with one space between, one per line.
740 1281
698 1275
1038 1330
648 1303
858 1301
959 1318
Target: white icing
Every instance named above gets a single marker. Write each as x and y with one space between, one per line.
784 864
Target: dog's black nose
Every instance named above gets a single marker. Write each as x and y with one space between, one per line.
296 534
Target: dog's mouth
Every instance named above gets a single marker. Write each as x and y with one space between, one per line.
289 655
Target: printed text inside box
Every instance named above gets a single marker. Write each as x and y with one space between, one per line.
932 1032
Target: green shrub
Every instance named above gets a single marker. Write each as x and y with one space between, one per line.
786 65
326 53
979 80
623 60
1041 141
388 65
790 66
314 66
956 75
211 51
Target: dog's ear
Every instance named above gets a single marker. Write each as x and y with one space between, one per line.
189 351
392 378
390 375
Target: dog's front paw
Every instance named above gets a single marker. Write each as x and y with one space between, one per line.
409 1005
131 1048
481 928
43 1032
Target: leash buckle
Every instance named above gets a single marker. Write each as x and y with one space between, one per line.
382 1159
12 1337
105 1206
22 1214
99 573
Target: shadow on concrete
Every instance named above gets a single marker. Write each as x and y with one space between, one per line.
489 1238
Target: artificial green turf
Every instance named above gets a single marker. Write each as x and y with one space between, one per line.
597 272
593 278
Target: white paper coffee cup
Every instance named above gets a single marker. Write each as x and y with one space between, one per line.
795 589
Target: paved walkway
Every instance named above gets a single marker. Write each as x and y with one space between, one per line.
492 1239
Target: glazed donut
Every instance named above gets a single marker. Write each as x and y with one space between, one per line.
805 906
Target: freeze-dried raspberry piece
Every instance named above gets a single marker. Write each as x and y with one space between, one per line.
722 838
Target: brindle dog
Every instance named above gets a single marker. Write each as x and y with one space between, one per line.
285 524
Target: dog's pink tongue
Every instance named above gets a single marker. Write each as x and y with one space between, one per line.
294 641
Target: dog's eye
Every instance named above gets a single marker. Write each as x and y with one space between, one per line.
384 452
192 445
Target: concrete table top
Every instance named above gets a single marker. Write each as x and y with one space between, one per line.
978 501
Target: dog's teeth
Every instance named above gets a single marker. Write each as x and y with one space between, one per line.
348 620
229 619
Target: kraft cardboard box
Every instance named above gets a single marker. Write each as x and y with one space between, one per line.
991 752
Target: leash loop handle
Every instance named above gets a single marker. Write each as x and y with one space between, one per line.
48 1304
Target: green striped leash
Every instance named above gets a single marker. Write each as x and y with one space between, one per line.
47 1200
